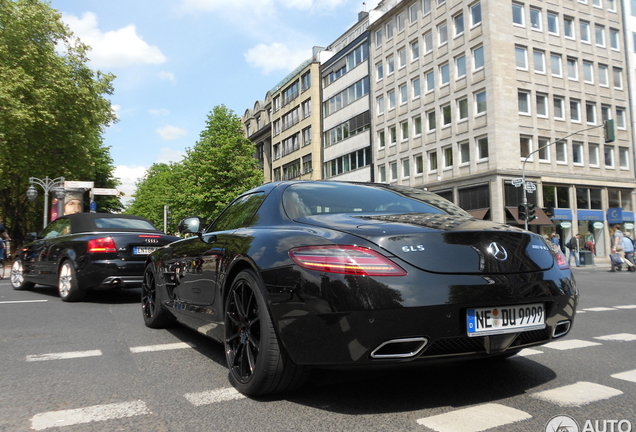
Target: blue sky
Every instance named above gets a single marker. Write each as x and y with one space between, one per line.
177 59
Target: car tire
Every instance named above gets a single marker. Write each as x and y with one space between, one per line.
154 312
17 277
257 361
67 285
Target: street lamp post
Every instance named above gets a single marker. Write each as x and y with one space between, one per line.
48 185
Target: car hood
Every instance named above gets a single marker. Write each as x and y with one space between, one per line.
445 243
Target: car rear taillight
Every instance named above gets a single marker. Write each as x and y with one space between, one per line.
561 261
149 236
350 260
102 245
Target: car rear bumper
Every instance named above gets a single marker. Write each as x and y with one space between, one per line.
111 274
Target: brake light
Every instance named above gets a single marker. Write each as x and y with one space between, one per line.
102 245
562 263
149 236
349 260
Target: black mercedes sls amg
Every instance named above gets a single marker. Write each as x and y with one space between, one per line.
299 275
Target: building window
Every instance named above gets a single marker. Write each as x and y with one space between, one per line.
521 57
539 61
460 66
307 136
379 71
458 24
413 13
403 94
608 153
544 150
524 102
431 123
535 19
568 27
432 161
394 170
381 139
555 65
417 126
623 157
614 40
390 65
588 72
480 102
306 107
606 112
404 127
444 74
391 97
478 58
346 97
406 168
448 157
575 111
415 85
542 105
482 147
446 115
305 81
559 108
382 173
577 153
415 50
389 30
573 70
599 33
378 38
401 19
475 14
430 81
561 152
401 58
464 153
428 42
525 146
584 28
593 155
419 164
462 109
620 118
392 135
517 14
590 113
426 7
553 23
617 74
603 76
380 104
442 33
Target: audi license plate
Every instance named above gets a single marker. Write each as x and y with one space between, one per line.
144 250
505 319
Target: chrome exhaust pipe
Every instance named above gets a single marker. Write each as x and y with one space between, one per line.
400 348
561 329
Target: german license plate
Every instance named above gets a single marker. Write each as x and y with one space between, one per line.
505 319
144 250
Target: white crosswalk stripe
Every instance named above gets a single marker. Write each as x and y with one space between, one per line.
627 376
213 396
162 347
624 337
579 394
474 419
63 356
570 344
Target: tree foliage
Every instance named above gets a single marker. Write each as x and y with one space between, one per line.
53 111
220 166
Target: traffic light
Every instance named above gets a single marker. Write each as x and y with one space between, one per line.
523 211
531 212
609 131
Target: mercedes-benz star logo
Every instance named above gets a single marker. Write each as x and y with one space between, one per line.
496 250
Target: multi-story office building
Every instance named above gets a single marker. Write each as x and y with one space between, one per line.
346 137
258 129
470 95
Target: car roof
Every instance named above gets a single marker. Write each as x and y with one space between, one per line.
85 222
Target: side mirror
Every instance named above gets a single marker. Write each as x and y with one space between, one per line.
190 225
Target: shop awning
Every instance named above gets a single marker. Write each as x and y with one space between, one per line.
479 213
542 218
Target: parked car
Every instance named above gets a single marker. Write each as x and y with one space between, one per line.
87 251
300 275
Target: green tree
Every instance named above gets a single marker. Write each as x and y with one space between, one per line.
53 111
219 167
154 191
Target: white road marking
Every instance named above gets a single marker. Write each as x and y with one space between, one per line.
88 415
23 301
599 309
626 307
579 394
625 337
627 376
63 356
163 347
213 396
528 352
474 419
570 344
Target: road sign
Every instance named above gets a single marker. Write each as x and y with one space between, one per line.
104 191
531 187
79 184
517 182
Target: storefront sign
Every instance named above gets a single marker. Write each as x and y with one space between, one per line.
598 225
615 215
629 226
566 224
591 215
562 214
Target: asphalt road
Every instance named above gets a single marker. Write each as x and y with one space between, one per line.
94 366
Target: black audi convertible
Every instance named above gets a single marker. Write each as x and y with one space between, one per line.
299 275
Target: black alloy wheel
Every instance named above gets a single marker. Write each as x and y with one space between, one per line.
154 313
258 364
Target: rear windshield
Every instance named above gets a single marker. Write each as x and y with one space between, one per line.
124 223
309 199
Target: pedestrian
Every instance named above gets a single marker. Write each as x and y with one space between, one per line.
617 245
4 236
574 248
628 250
556 240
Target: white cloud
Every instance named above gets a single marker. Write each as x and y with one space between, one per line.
170 133
119 48
275 56
128 177
168 155
169 76
159 112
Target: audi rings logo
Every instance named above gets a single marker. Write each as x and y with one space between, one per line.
497 251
